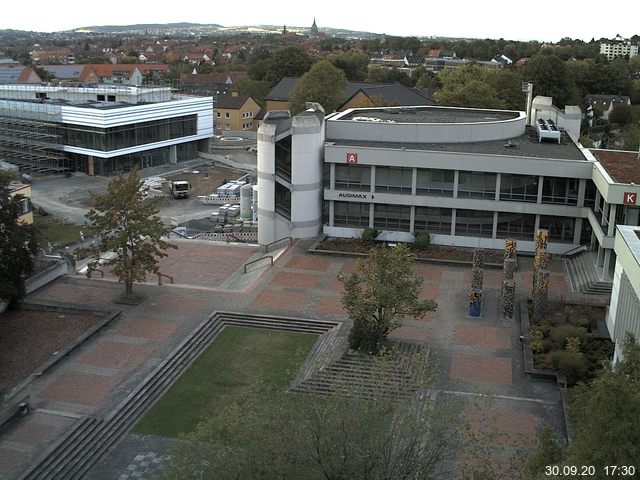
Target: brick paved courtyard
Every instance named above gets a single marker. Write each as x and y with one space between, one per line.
477 355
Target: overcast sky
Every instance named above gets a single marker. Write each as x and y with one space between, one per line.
546 20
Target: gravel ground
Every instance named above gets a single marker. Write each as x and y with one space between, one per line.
30 337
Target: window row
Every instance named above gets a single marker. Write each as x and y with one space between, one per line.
471 223
437 182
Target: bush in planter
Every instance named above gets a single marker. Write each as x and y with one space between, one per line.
571 365
560 334
369 235
422 241
536 340
572 345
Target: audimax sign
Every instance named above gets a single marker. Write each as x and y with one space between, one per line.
359 196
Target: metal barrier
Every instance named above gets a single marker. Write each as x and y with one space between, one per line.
266 247
270 257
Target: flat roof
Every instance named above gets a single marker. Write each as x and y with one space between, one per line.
622 166
526 145
428 114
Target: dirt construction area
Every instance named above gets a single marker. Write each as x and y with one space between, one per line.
204 180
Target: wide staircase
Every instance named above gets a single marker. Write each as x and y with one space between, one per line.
365 376
583 275
90 438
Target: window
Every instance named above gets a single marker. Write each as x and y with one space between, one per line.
392 217
355 215
250 114
560 190
515 225
111 98
218 114
283 201
477 185
393 179
435 182
101 98
227 126
25 206
283 158
353 177
519 188
474 223
227 115
433 220
561 229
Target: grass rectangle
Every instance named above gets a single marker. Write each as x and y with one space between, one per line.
238 361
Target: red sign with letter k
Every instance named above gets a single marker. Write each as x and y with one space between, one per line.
630 198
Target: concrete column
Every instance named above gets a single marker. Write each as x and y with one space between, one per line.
414 182
605 214
536 226
582 188
606 264
498 180
577 230
373 179
456 176
173 154
412 217
453 221
332 178
371 205
90 165
540 185
331 212
612 220
494 231
600 259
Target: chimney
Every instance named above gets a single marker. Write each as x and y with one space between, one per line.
234 94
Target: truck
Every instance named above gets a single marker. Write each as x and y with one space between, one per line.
180 188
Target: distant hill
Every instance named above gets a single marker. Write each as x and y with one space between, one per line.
147 26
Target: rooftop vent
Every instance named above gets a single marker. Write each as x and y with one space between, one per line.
547 130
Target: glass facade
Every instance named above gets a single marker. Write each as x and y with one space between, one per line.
477 185
519 188
561 229
125 136
520 226
433 220
392 217
562 191
283 201
283 158
355 215
435 182
394 179
354 177
474 223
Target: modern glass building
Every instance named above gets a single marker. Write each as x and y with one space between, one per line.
101 130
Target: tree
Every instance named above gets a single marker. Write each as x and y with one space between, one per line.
288 62
384 435
549 76
17 244
605 414
381 292
256 89
353 64
621 113
324 84
125 223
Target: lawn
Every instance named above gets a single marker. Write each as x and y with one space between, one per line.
51 229
238 361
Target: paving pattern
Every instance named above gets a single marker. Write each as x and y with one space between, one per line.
477 355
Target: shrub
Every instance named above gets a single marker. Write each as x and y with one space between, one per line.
561 333
571 365
422 241
536 340
369 235
572 345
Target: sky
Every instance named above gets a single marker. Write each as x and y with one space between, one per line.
546 20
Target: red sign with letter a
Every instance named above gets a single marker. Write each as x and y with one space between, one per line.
630 198
352 158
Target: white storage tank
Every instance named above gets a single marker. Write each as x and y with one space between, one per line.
245 201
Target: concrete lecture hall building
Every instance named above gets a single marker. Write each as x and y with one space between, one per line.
101 130
468 177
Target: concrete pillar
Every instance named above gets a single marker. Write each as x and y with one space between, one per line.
331 212
494 230
540 185
498 180
332 177
173 154
606 264
577 231
373 179
600 259
612 220
371 213
412 217
453 219
456 177
414 182
90 165
582 188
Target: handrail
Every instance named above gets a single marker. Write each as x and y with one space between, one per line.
270 257
575 250
160 275
266 247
